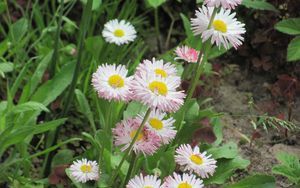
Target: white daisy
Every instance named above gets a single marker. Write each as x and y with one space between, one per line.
226 4
111 83
148 181
84 170
194 161
184 181
157 67
158 92
225 29
162 127
118 32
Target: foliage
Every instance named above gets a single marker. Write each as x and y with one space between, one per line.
291 26
289 167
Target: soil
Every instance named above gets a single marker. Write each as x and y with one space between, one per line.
232 99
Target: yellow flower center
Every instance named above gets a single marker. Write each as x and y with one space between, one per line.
219 25
156 123
86 168
119 33
139 137
116 81
196 159
184 185
161 73
148 187
158 87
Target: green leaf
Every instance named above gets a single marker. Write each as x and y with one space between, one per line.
29 106
84 106
49 91
187 26
6 67
225 168
18 30
289 167
228 151
293 51
217 127
104 139
259 4
257 181
289 26
133 109
96 4
64 156
193 111
155 3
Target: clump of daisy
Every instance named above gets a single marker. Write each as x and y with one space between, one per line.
187 54
149 181
84 170
147 141
111 82
162 127
225 28
158 67
158 92
194 161
182 181
226 4
118 32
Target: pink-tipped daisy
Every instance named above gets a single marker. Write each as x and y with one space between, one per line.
162 127
182 181
194 161
187 54
225 29
148 181
147 141
158 92
157 67
118 32
84 170
111 82
226 4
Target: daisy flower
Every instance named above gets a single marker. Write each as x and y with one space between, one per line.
187 54
111 83
147 141
148 181
157 67
162 127
194 161
118 32
225 29
158 92
84 170
226 4
184 181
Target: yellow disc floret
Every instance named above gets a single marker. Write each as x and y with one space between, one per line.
116 81
86 168
139 137
158 87
156 123
161 72
184 185
220 25
119 33
196 159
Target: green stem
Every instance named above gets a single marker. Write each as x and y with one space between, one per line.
130 146
200 66
57 36
131 166
157 29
